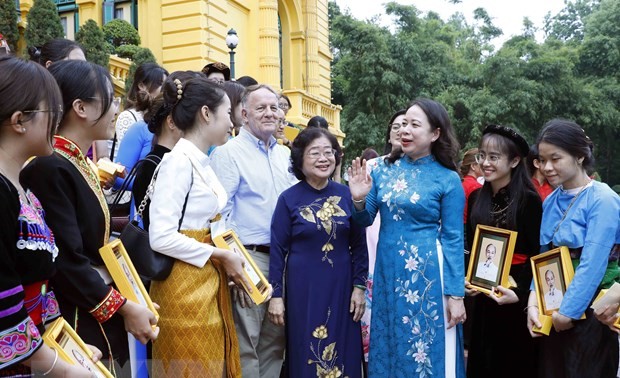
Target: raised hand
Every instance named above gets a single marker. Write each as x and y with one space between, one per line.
360 182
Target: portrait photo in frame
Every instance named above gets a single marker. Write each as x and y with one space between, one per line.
124 274
260 285
552 273
61 337
608 297
491 258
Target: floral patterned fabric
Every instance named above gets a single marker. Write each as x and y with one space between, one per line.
27 252
19 343
324 255
421 205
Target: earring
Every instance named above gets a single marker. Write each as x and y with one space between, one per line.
23 129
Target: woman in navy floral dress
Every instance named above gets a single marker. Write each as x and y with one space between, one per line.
322 257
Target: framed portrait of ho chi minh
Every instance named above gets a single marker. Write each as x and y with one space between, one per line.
124 274
552 273
491 258
608 297
260 285
61 337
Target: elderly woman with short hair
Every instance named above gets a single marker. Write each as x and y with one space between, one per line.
315 241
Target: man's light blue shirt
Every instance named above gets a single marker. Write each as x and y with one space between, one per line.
253 176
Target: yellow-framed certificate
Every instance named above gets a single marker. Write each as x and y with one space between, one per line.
62 338
125 275
260 285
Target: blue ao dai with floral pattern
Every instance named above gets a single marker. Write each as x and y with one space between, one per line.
421 206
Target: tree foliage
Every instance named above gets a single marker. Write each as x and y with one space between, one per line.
119 32
91 37
573 74
43 23
8 23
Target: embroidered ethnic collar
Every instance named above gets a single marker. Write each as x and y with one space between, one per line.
70 151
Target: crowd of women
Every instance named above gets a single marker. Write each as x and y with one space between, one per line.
393 239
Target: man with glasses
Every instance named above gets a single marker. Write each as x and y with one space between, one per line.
254 170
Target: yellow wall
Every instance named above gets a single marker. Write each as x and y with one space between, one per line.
186 35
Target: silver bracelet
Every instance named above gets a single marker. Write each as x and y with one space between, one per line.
360 201
53 364
454 297
528 307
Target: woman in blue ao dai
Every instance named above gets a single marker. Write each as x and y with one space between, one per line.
419 280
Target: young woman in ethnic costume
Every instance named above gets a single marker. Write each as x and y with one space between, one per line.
584 216
31 109
198 336
507 200
68 186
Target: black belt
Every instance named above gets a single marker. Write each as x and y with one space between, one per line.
257 248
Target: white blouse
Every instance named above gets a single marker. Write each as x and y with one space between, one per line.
206 199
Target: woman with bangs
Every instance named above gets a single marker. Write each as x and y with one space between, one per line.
29 116
507 200
68 186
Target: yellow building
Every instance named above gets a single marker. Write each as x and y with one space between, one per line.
283 43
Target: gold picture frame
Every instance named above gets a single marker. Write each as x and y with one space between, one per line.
491 258
260 285
606 297
124 274
552 273
62 338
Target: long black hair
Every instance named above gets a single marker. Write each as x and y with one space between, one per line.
151 75
79 79
446 148
53 51
520 186
24 86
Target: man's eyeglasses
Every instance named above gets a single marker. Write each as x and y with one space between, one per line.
316 154
493 159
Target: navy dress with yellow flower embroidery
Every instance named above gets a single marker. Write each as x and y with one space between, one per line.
320 254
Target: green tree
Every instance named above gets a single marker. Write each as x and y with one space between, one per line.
568 24
43 23
119 32
91 37
573 74
8 23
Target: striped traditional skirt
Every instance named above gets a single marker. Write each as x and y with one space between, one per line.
197 333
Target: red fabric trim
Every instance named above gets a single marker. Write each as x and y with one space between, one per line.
67 146
33 292
108 307
519 258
